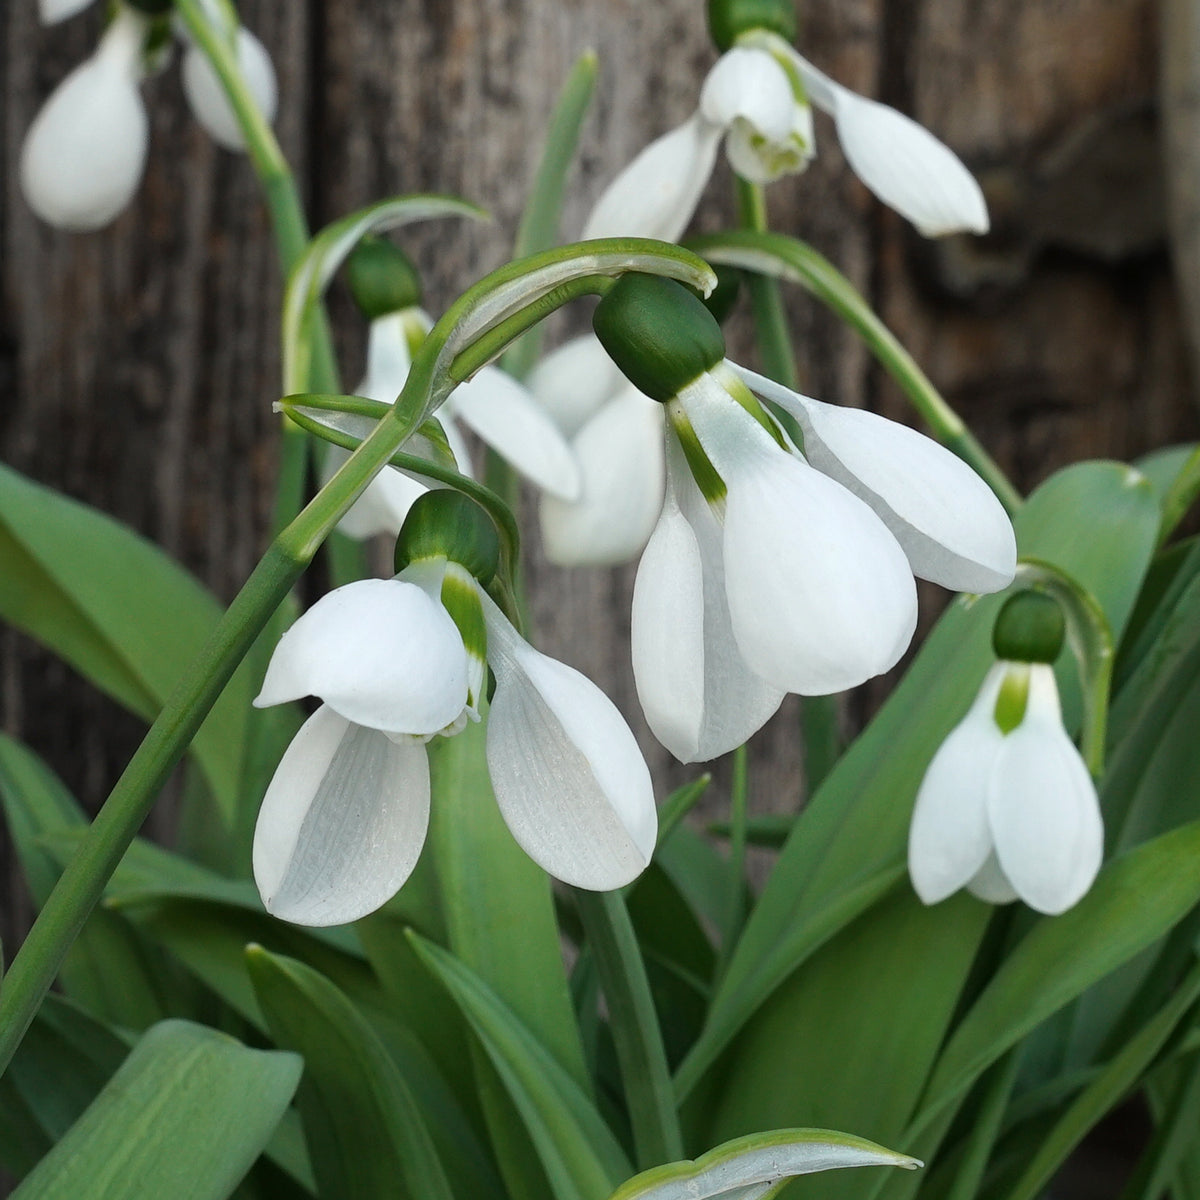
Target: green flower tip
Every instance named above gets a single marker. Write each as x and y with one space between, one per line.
446 524
382 278
728 19
1029 629
659 333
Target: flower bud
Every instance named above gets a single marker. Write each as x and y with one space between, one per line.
1029 629
659 333
727 19
446 524
382 278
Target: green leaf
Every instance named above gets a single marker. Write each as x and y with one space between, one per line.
1136 898
366 1133
749 1168
185 1116
119 611
847 848
581 1157
1112 1084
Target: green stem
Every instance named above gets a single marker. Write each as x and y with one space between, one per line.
787 258
735 898
1181 495
635 1029
109 836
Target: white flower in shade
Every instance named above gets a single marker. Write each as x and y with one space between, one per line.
617 438
757 97
84 154
50 12
206 95
1007 808
345 816
492 405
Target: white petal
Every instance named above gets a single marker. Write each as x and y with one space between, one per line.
656 194
749 85
50 12
83 156
567 772
699 697
950 840
206 96
762 162
388 358
383 504
620 455
900 161
502 412
380 652
572 382
342 823
948 521
991 885
821 597
1042 805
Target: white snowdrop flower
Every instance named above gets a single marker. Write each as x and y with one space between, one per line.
1007 808
398 661
206 95
84 154
492 404
771 571
757 97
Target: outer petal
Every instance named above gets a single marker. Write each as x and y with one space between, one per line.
84 154
383 504
901 162
656 194
342 823
620 455
699 697
511 421
1042 806
574 381
388 357
206 97
380 652
50 12
948 521
568 775
950 840
821 597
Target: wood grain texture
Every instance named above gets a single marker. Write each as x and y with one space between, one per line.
138 364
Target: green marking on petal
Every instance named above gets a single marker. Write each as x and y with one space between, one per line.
711 485
1012 698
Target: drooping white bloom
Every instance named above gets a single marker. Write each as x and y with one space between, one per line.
50 12
617 439
344 818
1008 815
84 154
206 95
492 404
797 573
757 97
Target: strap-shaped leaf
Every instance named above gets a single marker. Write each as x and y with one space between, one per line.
118 610
752 1167
185 1116
581 1157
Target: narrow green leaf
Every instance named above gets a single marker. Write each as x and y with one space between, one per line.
366 1133
581 1157
1112 1084
1171 1158
185 1116
1134 901
749 1168
119 611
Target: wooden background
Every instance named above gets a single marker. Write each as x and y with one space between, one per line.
138 364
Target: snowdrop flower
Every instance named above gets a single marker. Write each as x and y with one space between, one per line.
770 571
398 661
1007 808
492 404
83 156
757 97
206 95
